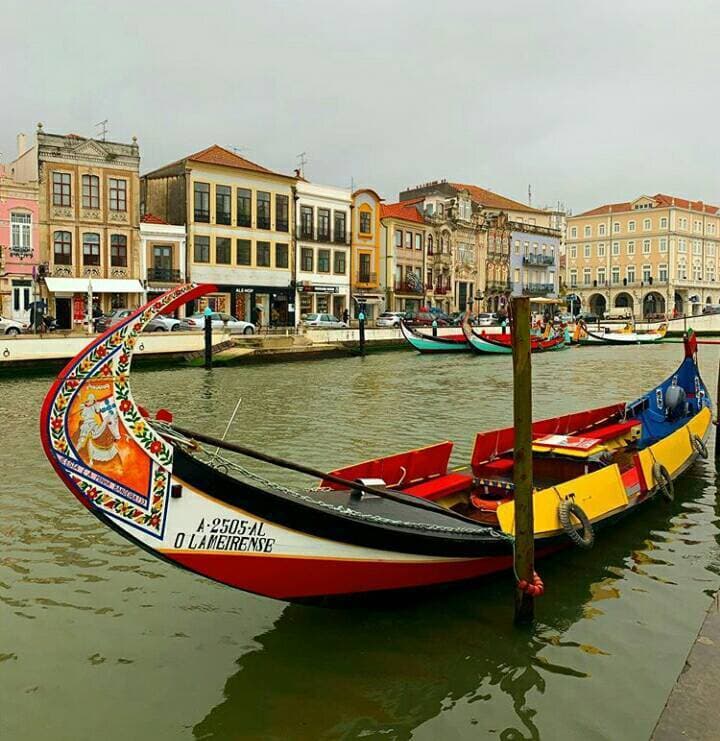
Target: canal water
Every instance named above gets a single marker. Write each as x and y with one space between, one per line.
100 640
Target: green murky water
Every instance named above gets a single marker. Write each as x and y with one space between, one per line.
100 640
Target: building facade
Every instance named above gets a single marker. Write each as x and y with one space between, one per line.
656 255
366 289
162 256
322 256
89 217
534 260
238 216
497 266
406 244
19 245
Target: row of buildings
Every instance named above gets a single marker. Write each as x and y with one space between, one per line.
77 215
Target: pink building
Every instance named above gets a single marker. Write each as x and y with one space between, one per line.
19 244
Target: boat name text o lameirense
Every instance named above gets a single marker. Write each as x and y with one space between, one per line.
226 534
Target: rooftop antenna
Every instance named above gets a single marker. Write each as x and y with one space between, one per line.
302 161
103 128
529 195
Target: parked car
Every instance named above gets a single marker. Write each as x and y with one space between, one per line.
426 318
11 326
162 323
323 321
711 309
389 319
219 321
565 318
101 323
619 312
486 319
588 316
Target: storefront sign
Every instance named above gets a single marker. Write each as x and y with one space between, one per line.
310 288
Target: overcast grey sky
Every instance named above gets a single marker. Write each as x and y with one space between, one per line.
587 101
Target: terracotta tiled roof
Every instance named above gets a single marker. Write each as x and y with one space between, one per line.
661 199
494 200
152 219
404 210
216 155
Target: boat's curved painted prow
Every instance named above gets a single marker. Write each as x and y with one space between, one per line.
432 344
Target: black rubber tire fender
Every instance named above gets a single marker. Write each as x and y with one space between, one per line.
700 448
663 481
583 537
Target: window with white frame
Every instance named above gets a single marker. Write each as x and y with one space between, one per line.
630 274
682 246
663 273
601 230
647 225
647 273
697 271
573 278
697 247
587 276
631 226
664 222
710 249
615 275
601 249
573 232
587 250
710 272
615 249
663 247
21 234
698 225
601 276
646 246
616 227
631 248
573 251
588 230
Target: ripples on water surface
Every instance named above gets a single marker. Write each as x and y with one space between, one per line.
99 639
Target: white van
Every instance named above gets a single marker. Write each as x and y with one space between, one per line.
619 312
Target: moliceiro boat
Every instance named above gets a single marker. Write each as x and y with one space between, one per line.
494 344
396 522
625 336
424 343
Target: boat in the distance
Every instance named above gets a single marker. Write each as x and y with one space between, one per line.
425 343
626 335
399 521
483 343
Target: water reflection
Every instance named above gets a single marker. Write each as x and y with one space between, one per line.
385 670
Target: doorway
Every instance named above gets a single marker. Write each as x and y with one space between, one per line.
63 311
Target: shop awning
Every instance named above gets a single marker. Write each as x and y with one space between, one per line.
99 285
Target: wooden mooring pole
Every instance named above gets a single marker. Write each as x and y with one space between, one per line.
522 471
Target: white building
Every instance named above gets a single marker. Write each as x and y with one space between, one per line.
322 254
163 263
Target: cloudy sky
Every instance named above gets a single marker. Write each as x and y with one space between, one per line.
588 102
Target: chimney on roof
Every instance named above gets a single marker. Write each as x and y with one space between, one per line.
297 172
21 144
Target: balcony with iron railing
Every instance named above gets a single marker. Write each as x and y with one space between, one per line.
538 289
365 279
164 275
405 285
313 234
539 260
441 258
497 286
441 289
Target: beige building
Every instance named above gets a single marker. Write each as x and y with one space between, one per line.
89 217
655 255
407 242
238 217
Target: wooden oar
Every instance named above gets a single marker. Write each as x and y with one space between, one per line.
395 496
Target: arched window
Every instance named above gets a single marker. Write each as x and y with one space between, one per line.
62 248
430 244
91 249
118 251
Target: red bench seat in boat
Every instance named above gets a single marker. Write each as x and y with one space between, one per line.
498 467
442 486
610 432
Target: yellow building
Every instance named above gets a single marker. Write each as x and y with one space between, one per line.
88 222
365 284
655 255
238 216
